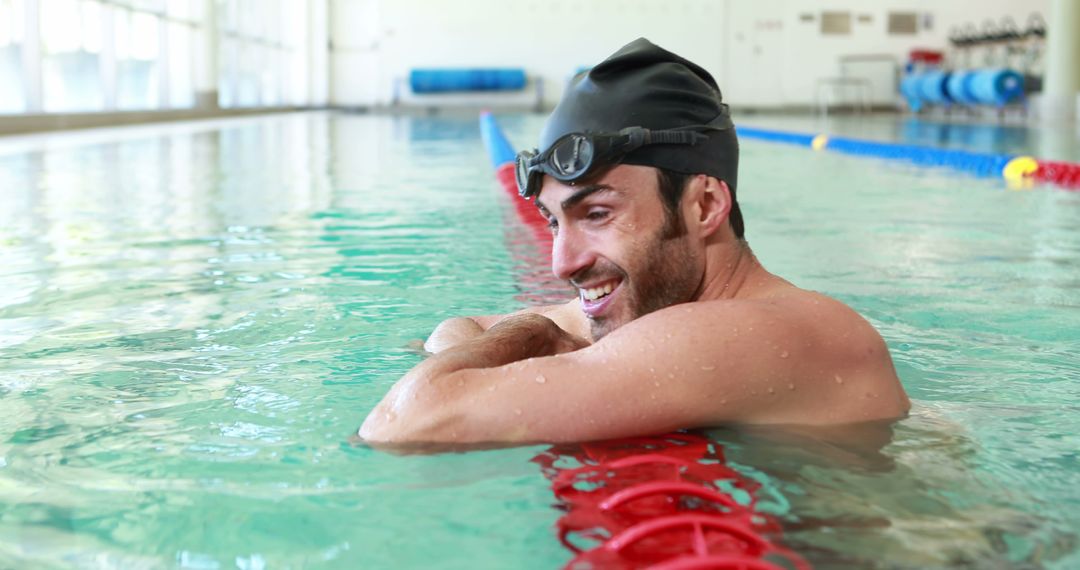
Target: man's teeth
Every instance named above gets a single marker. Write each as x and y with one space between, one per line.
597 292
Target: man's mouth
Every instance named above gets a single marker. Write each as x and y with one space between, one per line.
595 299
595 293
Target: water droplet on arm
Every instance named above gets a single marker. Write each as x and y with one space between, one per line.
540 379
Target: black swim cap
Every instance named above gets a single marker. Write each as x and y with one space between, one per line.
644 85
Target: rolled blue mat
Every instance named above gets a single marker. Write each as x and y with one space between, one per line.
461 80
932 87
997 86
909 88
959 87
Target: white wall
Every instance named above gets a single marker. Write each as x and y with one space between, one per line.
760 52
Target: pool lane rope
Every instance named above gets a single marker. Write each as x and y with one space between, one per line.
665 502
1019 171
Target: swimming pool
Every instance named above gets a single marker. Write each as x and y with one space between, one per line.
194 318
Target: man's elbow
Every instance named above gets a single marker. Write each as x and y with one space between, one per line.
411 426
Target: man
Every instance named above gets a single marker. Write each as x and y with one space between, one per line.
676 324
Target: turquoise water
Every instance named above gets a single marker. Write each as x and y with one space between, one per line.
194 319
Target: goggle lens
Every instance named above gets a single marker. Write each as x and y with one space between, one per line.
571 157
521 172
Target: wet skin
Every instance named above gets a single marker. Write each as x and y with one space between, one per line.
693 333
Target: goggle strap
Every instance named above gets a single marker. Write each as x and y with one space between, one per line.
673 137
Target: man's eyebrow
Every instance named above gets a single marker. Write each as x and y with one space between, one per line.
583 193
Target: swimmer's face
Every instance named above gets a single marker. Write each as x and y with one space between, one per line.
615 244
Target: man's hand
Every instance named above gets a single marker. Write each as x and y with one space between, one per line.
542 335
455 331
452 332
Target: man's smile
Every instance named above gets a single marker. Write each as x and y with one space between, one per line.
596 298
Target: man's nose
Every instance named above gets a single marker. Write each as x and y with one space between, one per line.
569 254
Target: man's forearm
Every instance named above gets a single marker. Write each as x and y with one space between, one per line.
423 402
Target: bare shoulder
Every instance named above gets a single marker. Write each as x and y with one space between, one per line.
792 357
836 334
839 354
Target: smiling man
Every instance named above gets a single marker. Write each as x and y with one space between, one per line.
676 324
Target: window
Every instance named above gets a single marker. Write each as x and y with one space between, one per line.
137 48
181 63
263 54
104 55
71 46
12 89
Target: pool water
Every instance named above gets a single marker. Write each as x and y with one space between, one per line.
195 318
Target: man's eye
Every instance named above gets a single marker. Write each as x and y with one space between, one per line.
596 215
552 223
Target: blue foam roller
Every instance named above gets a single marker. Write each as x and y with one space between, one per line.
932 87
959 87
457 80
997 86
909 88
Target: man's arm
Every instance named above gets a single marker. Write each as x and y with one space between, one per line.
680 367
510 385
512 339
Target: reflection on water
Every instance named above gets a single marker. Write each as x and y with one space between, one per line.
979 137
879 495
194 318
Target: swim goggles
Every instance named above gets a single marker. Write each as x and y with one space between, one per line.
577 155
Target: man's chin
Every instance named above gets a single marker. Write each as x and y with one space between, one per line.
602 327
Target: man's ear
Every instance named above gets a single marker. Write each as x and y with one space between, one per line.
713 199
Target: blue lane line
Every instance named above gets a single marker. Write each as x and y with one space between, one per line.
775 136
978 164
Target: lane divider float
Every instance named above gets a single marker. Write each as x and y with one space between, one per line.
1020 172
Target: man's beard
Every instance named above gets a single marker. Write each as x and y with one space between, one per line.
666 276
